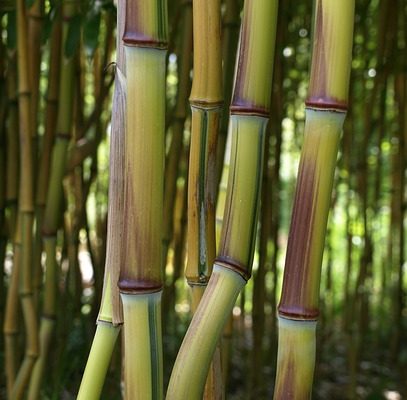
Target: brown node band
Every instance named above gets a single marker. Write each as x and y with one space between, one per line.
134 39
326 103
131 286
298 313
233 265
249 110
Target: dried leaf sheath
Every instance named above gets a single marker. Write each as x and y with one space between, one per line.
110 315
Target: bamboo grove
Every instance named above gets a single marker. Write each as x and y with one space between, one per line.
203 199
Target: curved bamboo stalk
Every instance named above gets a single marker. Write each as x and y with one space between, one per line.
325 113
140 282
232 267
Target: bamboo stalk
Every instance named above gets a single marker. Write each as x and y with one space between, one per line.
206 104
12 311
140 282
232 266
325 113
46 149
26 207
110 314
13 156
12 315
54 204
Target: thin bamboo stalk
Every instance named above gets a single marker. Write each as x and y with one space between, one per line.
12 316
206 104
54 204
26 207
232 266
12 311
325 113
46 149
13 156
140 282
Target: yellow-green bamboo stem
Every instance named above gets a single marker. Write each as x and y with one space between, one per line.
232 266
12 316
35 25
110 314
140 283
98 362
206 103
187 382
26 206
325 114
296 358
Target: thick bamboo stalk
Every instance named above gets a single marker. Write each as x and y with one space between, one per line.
140 282
232 266
325 113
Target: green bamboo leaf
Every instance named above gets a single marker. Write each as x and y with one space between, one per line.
73 36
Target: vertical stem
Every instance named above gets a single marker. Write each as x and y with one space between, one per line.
140 282
325 113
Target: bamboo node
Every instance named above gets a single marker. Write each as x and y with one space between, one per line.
236 266
130 286
298 313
